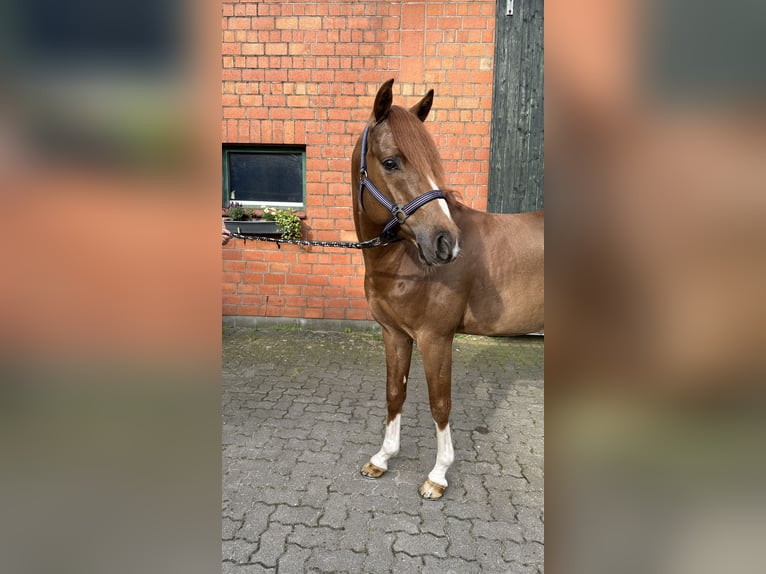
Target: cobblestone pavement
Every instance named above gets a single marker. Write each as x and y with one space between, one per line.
303 411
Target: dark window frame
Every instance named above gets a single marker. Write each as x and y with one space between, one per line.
261 149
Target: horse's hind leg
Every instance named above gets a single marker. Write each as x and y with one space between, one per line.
398 357
437 361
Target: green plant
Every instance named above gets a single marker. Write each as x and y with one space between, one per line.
286 219
237 212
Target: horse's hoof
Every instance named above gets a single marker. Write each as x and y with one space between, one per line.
371 471
431 490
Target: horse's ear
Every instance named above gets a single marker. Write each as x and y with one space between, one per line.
422 108
383 101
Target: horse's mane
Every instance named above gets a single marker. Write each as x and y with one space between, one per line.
415 143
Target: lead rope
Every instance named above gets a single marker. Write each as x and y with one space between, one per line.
378 241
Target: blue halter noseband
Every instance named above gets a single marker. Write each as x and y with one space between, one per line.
399 213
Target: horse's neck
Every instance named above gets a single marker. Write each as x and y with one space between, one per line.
367 229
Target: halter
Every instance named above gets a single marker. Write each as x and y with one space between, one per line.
399 213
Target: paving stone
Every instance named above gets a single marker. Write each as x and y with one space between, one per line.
317 491
398 523
433 519
353 535
498 530
380 555
229 568
335 512
336 560
229 527
469 510
272 545
237 550
421 544
449 566
293 561
461 542
532 553
406 564
489 554
315 537
530 520
255 522
296 515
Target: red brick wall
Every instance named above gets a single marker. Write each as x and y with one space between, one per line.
307 73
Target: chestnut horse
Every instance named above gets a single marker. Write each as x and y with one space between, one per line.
454 269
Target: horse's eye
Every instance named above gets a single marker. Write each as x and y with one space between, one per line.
389 164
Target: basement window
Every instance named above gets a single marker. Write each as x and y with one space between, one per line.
256 176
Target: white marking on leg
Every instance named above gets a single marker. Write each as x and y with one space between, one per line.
445 456
390 444
404 382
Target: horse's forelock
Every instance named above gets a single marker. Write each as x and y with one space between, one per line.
415 143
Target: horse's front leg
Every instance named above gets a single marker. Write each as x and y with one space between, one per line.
398 356
437 361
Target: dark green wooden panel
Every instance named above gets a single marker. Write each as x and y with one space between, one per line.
517 148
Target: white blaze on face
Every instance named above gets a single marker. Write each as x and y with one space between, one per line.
445 456
442 203
445 208
390 444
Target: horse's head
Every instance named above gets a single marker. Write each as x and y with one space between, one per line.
402 163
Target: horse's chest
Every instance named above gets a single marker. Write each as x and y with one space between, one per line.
394 292
415 302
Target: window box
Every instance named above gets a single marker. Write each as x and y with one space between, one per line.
253 227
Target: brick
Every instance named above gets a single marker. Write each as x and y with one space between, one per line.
346 49
276 49
261 23
253 100
233 113
357 315
257 49
310 23
286 23
412 70
235 23
231 48
412 43
331 313
476 22
359 23
279 114
339 281
297 101
322 49
413 16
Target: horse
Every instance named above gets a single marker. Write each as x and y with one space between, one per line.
445 269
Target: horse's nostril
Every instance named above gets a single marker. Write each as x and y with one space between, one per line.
443 248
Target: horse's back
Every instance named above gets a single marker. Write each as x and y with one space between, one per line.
505 260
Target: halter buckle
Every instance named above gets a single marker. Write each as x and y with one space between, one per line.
399 210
